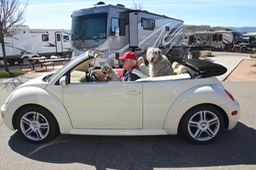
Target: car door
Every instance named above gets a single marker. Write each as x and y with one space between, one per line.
113 105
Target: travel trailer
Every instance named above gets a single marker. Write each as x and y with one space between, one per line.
36 42
214 40
249 37
116 29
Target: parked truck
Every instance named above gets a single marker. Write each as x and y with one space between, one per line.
28 43
116 29
214 40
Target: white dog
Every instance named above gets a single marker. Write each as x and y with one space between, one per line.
111 74
159 65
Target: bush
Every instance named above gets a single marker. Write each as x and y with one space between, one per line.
12 73
206 54
253 55
195 54
176 54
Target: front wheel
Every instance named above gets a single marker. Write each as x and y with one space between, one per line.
202 124
36 124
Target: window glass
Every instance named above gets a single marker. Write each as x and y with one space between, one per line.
45 37
66 38
58 37
147 24
117 27
220 37
87 27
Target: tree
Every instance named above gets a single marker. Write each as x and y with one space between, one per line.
138 6
11 18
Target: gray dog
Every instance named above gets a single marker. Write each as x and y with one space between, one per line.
159 65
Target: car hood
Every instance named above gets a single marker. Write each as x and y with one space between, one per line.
37 82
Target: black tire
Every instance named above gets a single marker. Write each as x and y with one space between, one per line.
244 50
11 61
202 124
25 60
36 124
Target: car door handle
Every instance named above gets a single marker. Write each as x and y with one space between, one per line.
133 92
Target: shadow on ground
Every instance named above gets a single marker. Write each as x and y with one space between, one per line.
235 147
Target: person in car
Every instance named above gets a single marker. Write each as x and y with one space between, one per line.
131 70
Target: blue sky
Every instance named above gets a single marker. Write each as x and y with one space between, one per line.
238 13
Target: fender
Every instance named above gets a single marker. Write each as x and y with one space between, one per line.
38 96
212 94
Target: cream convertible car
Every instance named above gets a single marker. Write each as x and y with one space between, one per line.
77 100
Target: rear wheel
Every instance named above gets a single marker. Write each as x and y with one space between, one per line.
36 124
202 124
25 60
244 50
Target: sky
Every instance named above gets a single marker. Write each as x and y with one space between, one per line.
56 14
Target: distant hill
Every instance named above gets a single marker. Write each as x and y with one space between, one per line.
244 29
194 28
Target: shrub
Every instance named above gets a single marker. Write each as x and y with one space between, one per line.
195 53
12 73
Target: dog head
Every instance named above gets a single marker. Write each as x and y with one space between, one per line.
154 55
106 68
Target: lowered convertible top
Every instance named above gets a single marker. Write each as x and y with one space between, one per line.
203 68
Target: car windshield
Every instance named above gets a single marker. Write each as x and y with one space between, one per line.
93 26
49 77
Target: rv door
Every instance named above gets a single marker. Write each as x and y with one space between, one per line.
59 43
133 30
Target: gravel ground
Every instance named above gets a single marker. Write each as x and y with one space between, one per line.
245 71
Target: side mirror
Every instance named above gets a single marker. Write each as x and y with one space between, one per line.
63 81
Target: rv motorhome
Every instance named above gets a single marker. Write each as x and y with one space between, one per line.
116 29
36 42
214 40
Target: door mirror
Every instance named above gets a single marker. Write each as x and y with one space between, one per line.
63 81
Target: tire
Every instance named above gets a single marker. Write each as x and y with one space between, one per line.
11 61
202 124
25 60
244 50
36 124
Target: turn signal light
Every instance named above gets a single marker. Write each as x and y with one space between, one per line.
234 113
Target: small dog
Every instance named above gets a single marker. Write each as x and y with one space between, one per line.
111 74
159 65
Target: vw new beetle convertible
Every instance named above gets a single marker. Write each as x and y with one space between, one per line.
77 100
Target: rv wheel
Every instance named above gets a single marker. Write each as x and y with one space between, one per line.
25 60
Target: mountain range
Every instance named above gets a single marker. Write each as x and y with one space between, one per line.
244 29
194 28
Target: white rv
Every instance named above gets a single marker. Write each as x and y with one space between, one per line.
116 29
36 42
214 40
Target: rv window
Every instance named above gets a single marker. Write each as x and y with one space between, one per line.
45 37
147 24
220 37
58 37
214 37
66 38
117 27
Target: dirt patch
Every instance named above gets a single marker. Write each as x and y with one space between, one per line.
245 71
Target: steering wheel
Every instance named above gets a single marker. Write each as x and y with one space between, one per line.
93 76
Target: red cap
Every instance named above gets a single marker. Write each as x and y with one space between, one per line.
129 55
